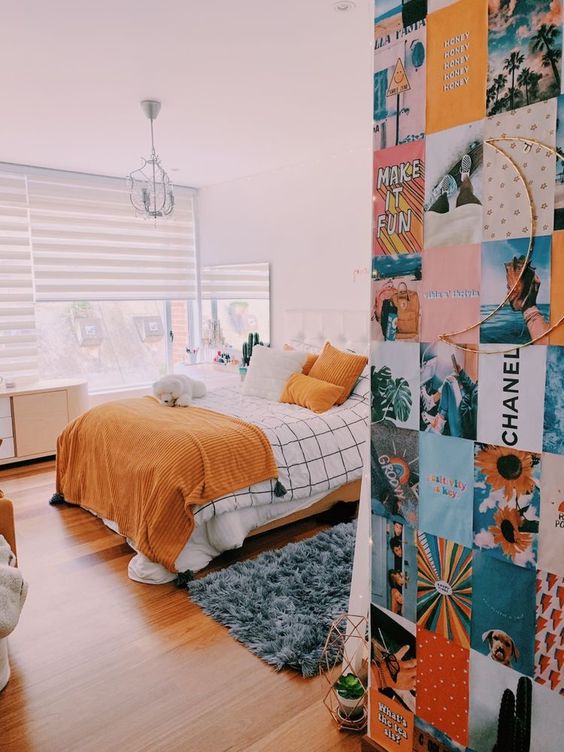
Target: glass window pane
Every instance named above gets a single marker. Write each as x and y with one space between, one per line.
236 319
112 344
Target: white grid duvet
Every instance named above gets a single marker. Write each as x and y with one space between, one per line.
314 453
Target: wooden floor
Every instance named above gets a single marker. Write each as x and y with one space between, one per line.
104 664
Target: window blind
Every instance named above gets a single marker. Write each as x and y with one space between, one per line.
74 237
18 342
88 244
235 282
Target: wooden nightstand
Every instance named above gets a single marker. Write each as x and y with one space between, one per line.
32 416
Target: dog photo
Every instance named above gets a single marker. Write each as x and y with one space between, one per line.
503 619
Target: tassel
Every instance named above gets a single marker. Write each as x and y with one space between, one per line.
183 578
279 489
57 498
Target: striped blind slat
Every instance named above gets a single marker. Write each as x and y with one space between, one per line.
88 244
236 282
18 347
72 237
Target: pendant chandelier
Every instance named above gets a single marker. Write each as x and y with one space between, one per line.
150 189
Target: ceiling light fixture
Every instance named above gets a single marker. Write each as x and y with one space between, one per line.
150 189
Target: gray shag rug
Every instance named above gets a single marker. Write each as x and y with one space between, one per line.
281 604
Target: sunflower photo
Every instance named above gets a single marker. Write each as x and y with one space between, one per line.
525 51
507 503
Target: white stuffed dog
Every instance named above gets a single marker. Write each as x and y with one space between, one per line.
178 390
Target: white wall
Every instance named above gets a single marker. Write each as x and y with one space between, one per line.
310 221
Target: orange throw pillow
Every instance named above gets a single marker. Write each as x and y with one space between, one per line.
311 358
308 365
338 367
314 394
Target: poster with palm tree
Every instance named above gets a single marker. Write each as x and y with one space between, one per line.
525 53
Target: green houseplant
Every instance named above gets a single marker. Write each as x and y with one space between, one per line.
350 692
247 349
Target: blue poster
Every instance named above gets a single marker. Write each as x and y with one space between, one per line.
446 487
503 612
554 401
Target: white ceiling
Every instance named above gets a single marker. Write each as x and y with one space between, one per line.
246 87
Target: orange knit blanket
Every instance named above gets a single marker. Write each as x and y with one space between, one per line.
144 466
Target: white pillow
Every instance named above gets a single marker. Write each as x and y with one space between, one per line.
362 386
269 371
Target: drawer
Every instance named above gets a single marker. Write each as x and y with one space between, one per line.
5 407
6 427
38 420
7 449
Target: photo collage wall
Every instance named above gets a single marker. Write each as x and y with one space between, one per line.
467 375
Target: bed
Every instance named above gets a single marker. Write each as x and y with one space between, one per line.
319 457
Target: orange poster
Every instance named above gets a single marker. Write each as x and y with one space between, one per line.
391 725
557 288
457 62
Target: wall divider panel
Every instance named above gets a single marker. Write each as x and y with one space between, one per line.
467 357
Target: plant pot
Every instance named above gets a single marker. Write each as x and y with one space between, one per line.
351 709
353 725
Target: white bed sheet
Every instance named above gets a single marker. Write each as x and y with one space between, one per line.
224 532
315 454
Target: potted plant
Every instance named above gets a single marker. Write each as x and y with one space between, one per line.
350 692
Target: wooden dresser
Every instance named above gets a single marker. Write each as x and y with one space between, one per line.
34 414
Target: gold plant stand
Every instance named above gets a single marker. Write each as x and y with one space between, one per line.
346 652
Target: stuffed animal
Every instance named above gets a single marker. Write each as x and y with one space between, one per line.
178 390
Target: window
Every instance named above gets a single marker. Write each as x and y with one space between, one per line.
109 343
108 287
235 302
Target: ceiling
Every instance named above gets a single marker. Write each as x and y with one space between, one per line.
246 87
